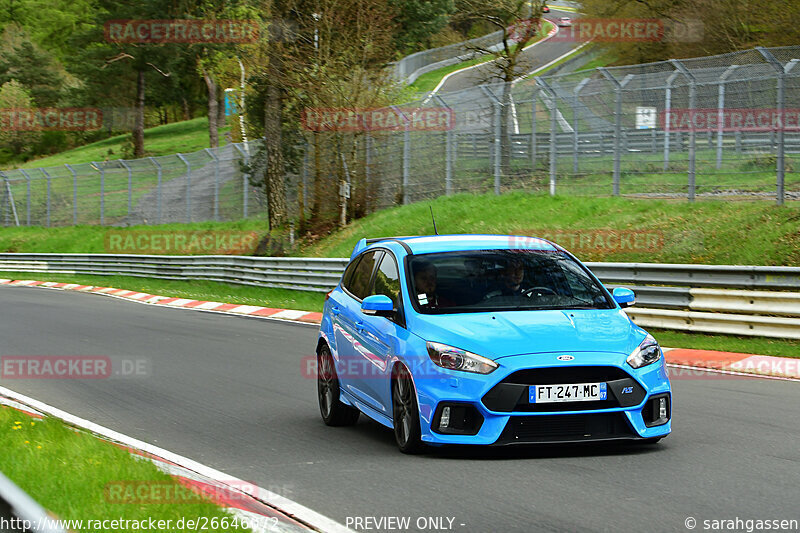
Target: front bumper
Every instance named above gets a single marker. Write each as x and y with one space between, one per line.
504 416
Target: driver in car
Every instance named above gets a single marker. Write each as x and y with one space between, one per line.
511 278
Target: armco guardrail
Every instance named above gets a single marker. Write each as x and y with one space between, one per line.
20 512
674 296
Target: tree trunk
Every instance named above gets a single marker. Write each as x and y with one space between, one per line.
316 206
187 115
138 126
221 121
213 132
274 173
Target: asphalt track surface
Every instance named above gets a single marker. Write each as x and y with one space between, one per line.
533 58
229 392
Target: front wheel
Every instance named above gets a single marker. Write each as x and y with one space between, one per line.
405 412
333 411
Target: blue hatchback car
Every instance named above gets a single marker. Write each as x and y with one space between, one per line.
487 340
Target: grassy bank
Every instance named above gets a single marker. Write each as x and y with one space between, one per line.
68 473
186 136
712 232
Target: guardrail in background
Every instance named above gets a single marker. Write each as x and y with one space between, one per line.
672 296
16 505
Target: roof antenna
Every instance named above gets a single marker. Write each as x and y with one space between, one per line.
434 221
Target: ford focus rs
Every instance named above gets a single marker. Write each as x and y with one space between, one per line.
488 340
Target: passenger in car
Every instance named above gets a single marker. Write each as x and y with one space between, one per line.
425 286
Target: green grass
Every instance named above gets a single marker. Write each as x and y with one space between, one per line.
428 81
711 232
67 473
727 343
186 136
211 291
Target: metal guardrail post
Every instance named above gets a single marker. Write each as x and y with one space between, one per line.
130 185
535 93
28 194
553 131
49 189
74 195
245 179
618 88
721 110
497 105
406 151
188 187
692 133
576 103
667 118
448 150
781 106
216 182
99 167
158 189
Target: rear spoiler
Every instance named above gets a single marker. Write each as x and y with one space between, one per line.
363 243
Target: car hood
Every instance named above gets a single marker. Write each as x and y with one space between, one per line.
502 334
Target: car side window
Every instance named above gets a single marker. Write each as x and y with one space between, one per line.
348 273
387 279
358 284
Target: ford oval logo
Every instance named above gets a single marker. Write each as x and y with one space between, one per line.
565 358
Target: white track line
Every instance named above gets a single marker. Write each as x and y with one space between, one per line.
290 507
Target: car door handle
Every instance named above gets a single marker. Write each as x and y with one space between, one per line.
360 326
335 310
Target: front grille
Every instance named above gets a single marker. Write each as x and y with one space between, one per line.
566 374
566 428
511 394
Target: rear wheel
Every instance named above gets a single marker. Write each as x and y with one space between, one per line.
405 412
333 411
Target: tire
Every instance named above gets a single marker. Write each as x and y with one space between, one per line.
405 413
333 411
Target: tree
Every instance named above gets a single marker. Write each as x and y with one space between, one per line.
519 22
419 20
14 97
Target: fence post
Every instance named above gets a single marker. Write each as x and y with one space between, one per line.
130 185
216 182
306 162
28 194
721 110
158 189
497 139
576 103
692 133
74 195
553 123
99 167
781 105
245 178
188 187
618 87
448 150
533 126
406 151
47 177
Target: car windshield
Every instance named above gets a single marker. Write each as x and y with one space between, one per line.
502 280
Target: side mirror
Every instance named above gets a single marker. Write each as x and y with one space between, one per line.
377 305
624 297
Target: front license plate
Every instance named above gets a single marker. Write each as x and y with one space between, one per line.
571 392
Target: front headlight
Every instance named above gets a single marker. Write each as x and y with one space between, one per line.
457 359
647 353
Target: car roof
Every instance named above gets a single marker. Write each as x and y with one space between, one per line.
428 244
